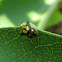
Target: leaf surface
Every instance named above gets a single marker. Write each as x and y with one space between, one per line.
46 47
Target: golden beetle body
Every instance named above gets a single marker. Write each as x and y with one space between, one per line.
28 29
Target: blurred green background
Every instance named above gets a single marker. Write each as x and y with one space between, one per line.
43 13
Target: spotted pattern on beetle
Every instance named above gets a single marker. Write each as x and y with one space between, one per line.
28 29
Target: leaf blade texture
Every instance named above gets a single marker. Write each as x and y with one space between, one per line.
14 47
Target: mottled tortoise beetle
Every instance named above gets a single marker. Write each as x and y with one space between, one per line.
28 29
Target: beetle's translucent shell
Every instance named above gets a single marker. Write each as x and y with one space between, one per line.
28 29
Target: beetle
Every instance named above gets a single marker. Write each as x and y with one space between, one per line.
28 29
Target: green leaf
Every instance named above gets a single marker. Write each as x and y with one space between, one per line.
56 17
46 47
